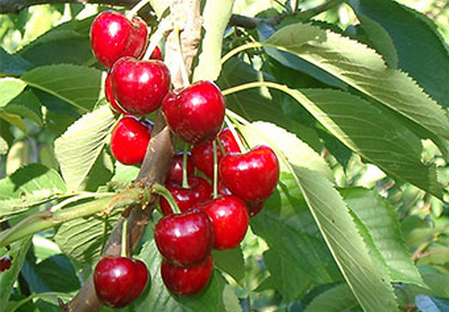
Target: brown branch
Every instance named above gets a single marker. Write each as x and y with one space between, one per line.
157 159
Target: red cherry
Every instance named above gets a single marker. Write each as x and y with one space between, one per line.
177 163
185 238
203 154
230 219
196 113
129 140
157 54
199 190
140 86
187 281
251 176
5 263
119 280
113 36
110 95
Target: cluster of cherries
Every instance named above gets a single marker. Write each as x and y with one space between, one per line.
196 221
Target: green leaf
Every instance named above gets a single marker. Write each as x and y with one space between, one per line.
409 28
231 262
336 299
26 105
29 186
214 24
379 39
380 221
11 88
372 290
373 133
159 299
8 278
82 239
295 151
78 85
437 279
80 146
3 146
13 65
431 304
364 70
298 258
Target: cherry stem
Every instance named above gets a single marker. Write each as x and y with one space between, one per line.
164 27
185 178
136 8
231 127
124 251
220 144
182 64
214 145
162 190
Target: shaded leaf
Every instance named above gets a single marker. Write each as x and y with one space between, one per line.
79 147
13 65
336 299
380 220
26 105
431 304
78 85
363 69
11 88
231 262
422 50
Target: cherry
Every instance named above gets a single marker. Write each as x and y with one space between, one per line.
187 281
196 113
157 54
113 36
129 140
254 207
199 190
119 280
5 263
185 238
177 163
140 86
203 154
251 176
110 95
230 219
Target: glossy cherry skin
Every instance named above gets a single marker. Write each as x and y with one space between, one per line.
139 86
196 113
110 96
113 36
187 281
203 154
177 163
230 219
119 281
157 54
252 176
254 207
5 263
185 238
199 190
129 140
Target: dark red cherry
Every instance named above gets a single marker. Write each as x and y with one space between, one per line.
254 207
140 86
119 280
5 263
129 140
113 36
199 190
252 176
177 163
185 238
110 95
203 154
230 219
187 281
196 113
